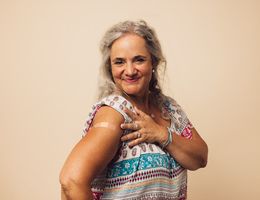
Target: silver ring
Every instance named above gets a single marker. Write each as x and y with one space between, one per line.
136 126
138 135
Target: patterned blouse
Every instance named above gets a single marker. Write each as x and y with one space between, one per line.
144 171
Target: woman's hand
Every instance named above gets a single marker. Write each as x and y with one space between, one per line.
145 129
190 153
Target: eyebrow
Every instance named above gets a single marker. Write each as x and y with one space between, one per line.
140 56
120 58
117 58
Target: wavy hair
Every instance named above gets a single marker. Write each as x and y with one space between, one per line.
140 28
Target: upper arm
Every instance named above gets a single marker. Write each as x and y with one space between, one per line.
94 151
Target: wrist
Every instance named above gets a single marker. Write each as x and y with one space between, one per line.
163 135
166 138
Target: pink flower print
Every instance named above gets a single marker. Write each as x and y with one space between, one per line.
97 195
187 133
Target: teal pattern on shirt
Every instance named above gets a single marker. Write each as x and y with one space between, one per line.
144 162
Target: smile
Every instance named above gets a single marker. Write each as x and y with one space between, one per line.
131 80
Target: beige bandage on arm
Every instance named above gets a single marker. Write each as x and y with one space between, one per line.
104 125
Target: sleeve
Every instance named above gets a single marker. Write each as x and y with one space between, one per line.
116 102
180 122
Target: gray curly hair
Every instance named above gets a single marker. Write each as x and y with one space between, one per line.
140 28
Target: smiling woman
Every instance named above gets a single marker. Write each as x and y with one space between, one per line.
131 65
138 143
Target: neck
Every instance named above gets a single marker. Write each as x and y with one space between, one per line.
141 102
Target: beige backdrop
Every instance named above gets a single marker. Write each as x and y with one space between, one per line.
49 62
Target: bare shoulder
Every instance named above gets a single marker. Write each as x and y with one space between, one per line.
108 114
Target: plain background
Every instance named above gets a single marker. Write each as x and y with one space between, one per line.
49 61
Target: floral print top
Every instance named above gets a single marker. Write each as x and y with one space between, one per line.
145 171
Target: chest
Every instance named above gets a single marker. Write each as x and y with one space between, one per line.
160 117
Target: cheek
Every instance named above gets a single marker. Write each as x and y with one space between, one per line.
116 73
146 70
148 74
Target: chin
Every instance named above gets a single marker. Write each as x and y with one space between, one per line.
133 92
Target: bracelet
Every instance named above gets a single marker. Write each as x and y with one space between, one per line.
169 139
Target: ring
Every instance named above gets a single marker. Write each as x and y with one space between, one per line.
135 126
138 135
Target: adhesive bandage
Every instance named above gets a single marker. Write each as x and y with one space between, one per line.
104 125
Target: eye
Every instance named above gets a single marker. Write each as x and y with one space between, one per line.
139 60
118 62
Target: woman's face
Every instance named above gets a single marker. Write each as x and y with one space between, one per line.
131 65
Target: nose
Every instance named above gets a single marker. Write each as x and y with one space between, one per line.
130 69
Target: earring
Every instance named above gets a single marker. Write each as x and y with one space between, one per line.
153 70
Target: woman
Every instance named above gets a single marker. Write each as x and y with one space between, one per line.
138 143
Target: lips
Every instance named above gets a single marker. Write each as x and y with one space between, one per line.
131 80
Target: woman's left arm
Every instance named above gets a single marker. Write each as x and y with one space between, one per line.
191 153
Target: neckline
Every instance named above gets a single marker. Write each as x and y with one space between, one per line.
164 106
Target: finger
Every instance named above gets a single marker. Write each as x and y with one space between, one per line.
135 142
131 114
131 136
132 126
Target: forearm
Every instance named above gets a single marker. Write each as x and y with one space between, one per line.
190 153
